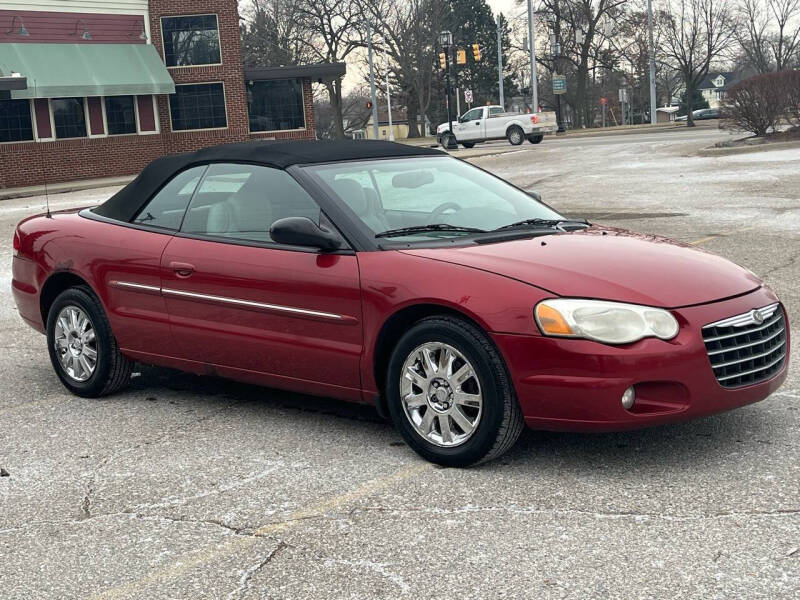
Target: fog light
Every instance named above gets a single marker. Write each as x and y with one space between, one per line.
628 398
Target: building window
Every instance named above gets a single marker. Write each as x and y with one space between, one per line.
15 121
275 105
70 117
191 40
121 115
198 106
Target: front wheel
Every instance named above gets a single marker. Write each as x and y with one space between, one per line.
82 347
449 393
448 141
535 139
515 135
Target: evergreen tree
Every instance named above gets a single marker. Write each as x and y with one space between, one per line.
698 102
472 22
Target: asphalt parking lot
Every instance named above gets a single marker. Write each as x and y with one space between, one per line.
192 487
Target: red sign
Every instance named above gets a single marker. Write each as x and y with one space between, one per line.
603 101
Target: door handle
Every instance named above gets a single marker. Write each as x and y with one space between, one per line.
182 269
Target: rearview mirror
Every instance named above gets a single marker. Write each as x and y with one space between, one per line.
302 231
411 180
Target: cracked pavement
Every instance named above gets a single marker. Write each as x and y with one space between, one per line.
186 486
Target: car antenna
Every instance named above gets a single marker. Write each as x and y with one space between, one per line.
44 172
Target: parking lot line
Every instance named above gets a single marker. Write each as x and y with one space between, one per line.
722 234
174 570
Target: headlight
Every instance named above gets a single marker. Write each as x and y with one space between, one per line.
607 322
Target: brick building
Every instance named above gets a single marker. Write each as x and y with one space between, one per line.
99 89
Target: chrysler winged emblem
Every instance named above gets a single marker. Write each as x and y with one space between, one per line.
757 316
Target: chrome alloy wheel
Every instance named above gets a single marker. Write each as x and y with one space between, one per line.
441 394
75 343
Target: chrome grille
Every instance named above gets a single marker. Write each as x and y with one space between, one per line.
748 348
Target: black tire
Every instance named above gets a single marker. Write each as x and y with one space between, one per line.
535 139
468 144
112 371
515 135
500 422
448 141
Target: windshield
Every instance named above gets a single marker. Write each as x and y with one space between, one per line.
393 194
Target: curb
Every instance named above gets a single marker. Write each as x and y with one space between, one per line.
62 188
711 151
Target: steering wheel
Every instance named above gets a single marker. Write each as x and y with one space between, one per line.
439 211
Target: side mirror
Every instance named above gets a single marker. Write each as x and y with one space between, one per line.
302 231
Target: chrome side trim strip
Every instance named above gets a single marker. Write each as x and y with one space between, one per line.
746 318
253 304
753 357
744 331
135 286
756 343
751 371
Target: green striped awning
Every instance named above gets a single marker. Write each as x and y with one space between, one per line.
64 70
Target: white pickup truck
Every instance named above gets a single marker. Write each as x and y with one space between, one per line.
494 123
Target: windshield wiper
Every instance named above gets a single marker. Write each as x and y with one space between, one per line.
426 228
557 223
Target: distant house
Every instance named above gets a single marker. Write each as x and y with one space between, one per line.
715 87
399 125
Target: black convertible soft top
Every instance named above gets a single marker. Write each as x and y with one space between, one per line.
126 203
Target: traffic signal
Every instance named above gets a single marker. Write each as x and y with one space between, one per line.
461 56
442 60
476 51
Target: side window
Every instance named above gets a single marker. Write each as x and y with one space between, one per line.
243 201
167 207
473 115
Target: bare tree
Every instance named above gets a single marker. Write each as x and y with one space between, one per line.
272 33
333 32
408 31
786 42
752 34
695 33
768 33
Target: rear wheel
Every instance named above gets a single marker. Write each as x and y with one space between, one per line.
82 348
535 139
515 135
449 394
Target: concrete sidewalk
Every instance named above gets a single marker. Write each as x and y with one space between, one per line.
60 188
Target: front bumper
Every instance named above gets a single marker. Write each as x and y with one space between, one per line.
576 385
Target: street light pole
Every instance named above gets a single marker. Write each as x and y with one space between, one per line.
652 56
500 59
532 52
372 82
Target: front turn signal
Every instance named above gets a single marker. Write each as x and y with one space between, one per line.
551 321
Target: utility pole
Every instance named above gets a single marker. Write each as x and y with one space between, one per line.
388 94
651 51
532 52
372 82
500 59
556 61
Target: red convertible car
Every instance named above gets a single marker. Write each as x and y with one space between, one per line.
459 304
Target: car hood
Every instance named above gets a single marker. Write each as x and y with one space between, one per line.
611 264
